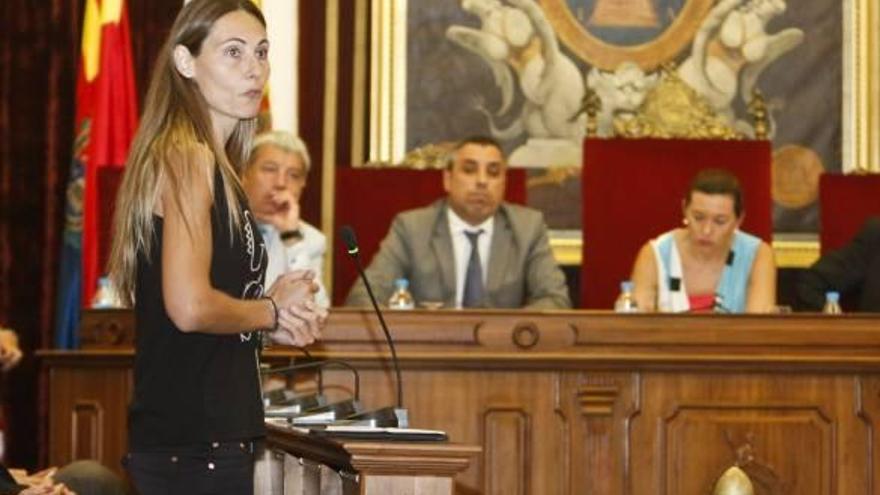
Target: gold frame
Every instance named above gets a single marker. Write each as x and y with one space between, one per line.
860 119
328 145
606 56
388 81
861 86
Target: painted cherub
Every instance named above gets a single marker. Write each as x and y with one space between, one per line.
732 49
515 37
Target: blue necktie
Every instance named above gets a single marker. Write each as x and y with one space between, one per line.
472 297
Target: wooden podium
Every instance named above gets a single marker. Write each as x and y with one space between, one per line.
300 464
570 402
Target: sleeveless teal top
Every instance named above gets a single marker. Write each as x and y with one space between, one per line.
731 290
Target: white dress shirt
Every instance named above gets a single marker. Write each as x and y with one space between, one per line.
461 248
307 254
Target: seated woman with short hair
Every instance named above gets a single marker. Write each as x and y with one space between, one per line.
708 264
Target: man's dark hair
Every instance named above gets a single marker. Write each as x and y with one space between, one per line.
717 181
479 140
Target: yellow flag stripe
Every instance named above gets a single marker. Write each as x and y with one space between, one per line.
111 11
108 12
91 40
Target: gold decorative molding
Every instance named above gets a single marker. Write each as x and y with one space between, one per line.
673 110
388 81
758 110
861 86
433 155
607 56
748 471
734 481
591 104
331 103
566 246
795 253
360 52
790 253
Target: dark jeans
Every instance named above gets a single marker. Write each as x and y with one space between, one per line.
215 469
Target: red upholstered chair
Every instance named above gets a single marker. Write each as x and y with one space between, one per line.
632 191
369 198
846 201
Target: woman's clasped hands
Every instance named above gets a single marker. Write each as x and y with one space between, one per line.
299 320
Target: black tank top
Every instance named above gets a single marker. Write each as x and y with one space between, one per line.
195 388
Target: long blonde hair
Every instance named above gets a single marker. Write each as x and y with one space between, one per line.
175 117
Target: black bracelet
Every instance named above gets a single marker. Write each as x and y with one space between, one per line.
275 312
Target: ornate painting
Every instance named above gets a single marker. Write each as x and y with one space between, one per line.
519 69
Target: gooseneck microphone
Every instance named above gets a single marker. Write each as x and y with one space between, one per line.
285 370
314 409
351 245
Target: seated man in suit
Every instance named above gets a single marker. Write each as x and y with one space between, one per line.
854 268
469 249
273 180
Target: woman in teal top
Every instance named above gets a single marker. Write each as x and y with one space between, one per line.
708 264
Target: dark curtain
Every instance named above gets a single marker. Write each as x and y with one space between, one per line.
38 53
311 101
39 50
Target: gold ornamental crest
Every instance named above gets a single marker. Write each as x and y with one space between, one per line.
604 33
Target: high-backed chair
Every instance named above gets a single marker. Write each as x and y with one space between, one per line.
845 202
369 198
633 190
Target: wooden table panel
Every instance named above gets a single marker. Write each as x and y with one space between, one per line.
578 402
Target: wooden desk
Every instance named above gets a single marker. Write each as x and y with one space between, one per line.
573 402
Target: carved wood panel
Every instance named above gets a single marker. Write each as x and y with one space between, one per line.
869 412
507 443
515 416
784 449
87 417
89 414
802 434
601 405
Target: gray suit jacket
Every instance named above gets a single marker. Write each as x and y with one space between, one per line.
418 247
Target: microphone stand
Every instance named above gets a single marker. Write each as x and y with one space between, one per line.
397 416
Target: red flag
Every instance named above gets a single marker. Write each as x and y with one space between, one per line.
107 114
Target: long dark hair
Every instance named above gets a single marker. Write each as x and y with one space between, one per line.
175 116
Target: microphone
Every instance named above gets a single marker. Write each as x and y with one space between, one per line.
319 364
718 304
400 414
314 408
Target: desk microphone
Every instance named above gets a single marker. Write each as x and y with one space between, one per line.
314 408
398 416
718 304
326 363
